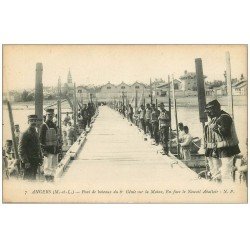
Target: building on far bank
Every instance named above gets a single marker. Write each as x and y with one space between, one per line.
107 92
82 94
163 89
189 81
240 88
139 87
123 89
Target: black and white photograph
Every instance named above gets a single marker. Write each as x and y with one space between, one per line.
125 123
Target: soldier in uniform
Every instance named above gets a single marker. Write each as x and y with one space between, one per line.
164 124
142 113
148 113
155 123
186 139
29 150
50 145
221 142
84 114
17 133
130 113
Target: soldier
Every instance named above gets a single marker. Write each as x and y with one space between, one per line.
186 139
84 114
221 142
71 134
130 113
164 124
148 112
155 123
181 130
142 113
66 119
50 145
29 150
17 133
89 114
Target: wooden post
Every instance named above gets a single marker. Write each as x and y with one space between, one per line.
91 98
169 109
156 101
201 91
136 100
12 130
75 107
59 112
176 119
39 94
229 85
143 97
151 92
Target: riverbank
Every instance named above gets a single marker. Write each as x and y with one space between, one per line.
31 105
188 101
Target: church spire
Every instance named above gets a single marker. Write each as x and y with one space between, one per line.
69 80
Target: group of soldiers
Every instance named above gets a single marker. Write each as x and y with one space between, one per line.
85 114
221 143
40 149
35 148
156 123
151 120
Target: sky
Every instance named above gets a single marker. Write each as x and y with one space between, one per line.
98 64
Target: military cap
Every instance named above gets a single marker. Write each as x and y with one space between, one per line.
32 117
50 111
9 142
161 104
212 104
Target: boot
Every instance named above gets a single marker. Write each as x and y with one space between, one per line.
47 177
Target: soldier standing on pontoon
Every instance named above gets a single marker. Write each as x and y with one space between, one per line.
29 150
164 125
50 145
221 142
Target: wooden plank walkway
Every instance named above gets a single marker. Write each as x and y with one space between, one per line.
116 165
115 153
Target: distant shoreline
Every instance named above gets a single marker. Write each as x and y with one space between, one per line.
189 101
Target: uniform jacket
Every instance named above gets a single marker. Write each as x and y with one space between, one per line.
142 113
154 115
220 137
148 114
164 118
220 132
29 148
42 137
186 140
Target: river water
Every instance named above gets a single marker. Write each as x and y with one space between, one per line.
188 115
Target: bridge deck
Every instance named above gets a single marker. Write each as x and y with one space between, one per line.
115 153
116 165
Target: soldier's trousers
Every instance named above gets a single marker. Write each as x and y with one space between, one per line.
131 117
143 125
164 130
30 173
50 164
155 131
148 127
221 168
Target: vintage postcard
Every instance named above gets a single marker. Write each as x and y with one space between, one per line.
125 124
